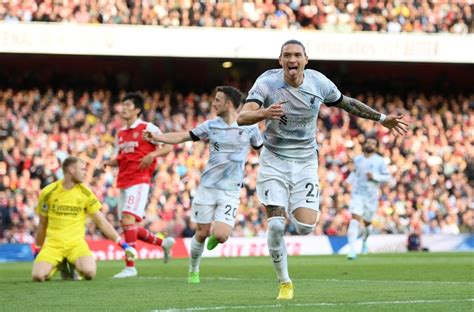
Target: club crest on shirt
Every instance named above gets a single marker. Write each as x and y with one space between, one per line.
135 135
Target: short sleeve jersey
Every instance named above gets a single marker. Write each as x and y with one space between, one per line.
229 147
131 149
293 137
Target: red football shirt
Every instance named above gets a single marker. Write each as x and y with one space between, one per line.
131 149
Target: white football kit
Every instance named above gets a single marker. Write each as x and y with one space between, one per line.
365 192
288 172
218 195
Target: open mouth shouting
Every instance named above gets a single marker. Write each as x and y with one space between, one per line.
292 70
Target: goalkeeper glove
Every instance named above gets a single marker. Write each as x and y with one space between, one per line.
130 252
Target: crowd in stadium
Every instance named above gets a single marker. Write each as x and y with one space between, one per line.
432 166
343 16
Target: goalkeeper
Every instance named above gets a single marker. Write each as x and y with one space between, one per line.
62 209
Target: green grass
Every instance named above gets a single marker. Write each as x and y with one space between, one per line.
384 282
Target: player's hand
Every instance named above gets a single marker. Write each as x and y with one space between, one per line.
147 135
130 252
36 250
146 161
396 124
370 176
274 111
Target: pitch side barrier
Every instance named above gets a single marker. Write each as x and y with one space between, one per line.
235 43
257 246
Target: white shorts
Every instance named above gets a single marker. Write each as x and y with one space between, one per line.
287 184
211 204
133 200
363 206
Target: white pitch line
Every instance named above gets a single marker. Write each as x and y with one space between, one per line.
312 305
312 279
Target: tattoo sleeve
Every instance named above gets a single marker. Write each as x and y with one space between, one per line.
357 108
275 211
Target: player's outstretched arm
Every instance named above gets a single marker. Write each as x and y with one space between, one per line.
252 113
160 151
112 234
41 231
167 138
359 109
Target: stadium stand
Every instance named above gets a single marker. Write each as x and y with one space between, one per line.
433 166
336 16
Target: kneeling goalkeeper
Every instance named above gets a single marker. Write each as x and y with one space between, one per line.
62 208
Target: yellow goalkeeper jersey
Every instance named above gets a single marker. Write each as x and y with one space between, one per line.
66 210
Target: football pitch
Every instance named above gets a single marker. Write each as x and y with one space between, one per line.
377 282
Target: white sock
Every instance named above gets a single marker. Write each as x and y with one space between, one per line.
196 252
352 234
277 247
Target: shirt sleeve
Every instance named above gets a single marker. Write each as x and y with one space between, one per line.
332 95
382 174
256 139
258 92
155 130
42 207
201 131
93 203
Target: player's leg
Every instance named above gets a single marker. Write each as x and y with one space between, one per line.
353 232
42 271
224 217
370 207
201 214
132 203
304 197
137 197
276 242
86 266
158 239
219 234
129 229
46 263
273 191
197 248
81 256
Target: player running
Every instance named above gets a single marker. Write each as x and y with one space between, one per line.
218 195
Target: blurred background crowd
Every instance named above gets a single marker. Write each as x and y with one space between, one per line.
394 16
432 167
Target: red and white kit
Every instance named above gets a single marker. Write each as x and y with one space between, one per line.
134 183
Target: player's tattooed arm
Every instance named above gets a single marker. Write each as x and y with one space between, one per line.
275 211
357 108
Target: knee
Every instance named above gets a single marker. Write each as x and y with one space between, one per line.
88 274
221 237
276 226
128 220
202 234
303 228
39 277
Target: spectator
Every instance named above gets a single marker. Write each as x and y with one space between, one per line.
431 167
341 16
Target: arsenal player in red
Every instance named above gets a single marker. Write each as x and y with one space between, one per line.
136 160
